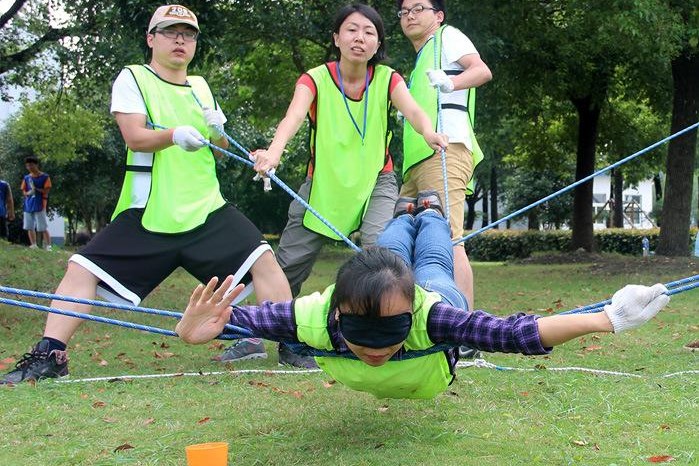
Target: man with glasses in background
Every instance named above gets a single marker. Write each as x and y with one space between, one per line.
448 61
171 212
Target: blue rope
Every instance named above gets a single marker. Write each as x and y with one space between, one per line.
577 183
673 288
104 320
91 302
274 178
440 128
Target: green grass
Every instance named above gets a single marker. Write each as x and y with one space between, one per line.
487 417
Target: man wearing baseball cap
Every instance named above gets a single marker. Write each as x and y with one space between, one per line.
170 212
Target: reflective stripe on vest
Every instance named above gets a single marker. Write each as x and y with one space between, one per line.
421 377
344 169
180 188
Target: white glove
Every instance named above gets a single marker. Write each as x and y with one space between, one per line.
214 120
438 78
266 181
634 305
188 138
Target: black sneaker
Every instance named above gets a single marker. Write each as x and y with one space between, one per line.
428 200
242 350
38 364
466 352
404 205
289 358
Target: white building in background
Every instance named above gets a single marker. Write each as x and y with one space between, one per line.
638 203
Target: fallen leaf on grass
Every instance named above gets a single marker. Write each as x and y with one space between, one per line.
329 383
123 447
149 421
664 427
256 383
163 354
383 409
524 393
592 348
558 303
661 459
203 420
579 443
99 404
216 346
109 420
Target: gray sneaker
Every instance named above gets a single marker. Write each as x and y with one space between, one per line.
404 205
289 358
242 350
428 200
466 352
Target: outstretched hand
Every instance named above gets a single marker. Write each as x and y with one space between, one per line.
208 311
634 305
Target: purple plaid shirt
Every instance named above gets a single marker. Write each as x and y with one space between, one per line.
517 333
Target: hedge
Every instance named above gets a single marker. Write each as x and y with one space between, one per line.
499 245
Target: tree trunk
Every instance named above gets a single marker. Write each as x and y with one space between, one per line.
533 219
618 185
675 217
494 195
471 214
588 120
486 210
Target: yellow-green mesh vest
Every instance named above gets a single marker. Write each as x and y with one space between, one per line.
421 377
344 169
415 149
184 189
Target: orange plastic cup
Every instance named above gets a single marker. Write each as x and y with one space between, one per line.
207 454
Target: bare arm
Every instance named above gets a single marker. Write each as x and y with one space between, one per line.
554 330
138 137
417 117
287 129
476 73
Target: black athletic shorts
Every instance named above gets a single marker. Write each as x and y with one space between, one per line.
131 261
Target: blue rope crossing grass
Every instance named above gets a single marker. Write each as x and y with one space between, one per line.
673 288
91 302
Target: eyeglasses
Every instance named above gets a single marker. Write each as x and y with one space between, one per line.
187 36
416 10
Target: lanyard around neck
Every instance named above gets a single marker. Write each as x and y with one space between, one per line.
362 132
417 58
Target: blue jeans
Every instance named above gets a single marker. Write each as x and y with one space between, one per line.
424 243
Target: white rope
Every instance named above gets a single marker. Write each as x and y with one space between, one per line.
483 364
478 363
119 378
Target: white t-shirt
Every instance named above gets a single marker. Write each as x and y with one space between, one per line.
455 44
127 98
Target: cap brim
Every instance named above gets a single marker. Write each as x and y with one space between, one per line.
171 22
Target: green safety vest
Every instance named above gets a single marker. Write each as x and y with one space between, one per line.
184 188
420 377
415 149
345 169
